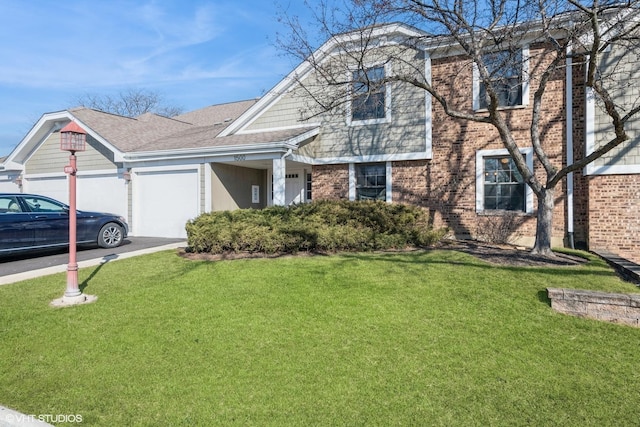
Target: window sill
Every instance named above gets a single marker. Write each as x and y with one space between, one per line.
515 107
367 122
502 212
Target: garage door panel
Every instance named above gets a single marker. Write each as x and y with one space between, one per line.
54 187
164 201
8 185
100 193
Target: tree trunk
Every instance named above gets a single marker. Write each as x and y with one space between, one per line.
545 221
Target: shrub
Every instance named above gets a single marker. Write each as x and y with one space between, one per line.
499 229
321 226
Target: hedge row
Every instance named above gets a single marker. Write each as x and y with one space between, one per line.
321 226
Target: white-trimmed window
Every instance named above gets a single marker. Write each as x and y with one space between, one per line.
499 184
370 181
369 96
308 186
508 77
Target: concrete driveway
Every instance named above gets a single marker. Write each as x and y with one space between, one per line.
16 268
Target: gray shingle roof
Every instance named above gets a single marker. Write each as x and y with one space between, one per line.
150 132
205 136
216 114
126 133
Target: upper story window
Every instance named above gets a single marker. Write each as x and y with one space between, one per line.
507 70
368 95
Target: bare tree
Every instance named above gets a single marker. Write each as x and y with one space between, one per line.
129 103
488 37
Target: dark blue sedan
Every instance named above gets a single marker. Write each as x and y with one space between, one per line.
29 222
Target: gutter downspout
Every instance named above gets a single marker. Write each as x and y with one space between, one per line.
569 121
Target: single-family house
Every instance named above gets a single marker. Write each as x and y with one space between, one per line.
394 143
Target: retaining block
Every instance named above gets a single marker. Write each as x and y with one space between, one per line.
609 307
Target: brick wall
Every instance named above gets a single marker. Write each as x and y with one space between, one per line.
330 182
451 180
606 208
614 215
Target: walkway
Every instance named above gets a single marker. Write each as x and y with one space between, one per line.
627 269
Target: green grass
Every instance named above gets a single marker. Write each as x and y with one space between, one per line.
421 338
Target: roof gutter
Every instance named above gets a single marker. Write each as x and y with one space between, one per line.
274 148
278 147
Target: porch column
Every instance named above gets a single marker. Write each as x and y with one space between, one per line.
279 170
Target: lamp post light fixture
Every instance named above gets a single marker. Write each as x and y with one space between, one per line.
73 139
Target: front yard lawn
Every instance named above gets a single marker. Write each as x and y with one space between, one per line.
416 338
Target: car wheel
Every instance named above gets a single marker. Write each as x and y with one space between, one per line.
110 236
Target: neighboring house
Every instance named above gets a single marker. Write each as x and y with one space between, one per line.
393 143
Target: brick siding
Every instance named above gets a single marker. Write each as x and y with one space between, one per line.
614 215
330 182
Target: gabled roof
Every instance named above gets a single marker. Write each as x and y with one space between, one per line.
210 127
391 33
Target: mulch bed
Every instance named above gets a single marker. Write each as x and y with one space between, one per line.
512 255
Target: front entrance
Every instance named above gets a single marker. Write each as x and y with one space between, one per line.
294 188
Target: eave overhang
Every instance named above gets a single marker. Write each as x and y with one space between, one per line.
266 149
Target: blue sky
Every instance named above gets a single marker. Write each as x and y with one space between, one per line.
194 53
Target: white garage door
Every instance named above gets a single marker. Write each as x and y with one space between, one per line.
100 193
54 187
164 201
8 184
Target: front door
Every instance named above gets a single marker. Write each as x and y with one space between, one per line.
294 188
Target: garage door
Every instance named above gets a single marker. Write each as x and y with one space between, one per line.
100 193
8 184
164 201
54 187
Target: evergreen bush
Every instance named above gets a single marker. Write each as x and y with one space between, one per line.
320 226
